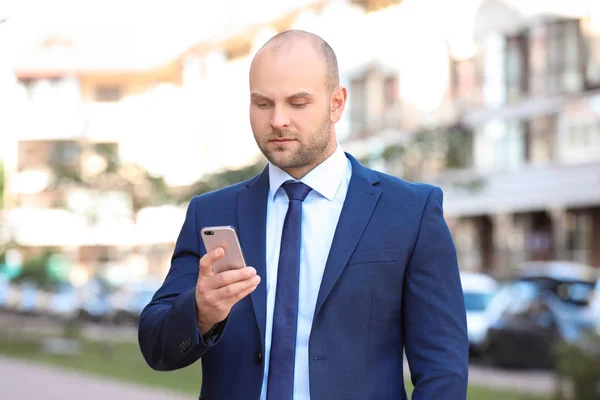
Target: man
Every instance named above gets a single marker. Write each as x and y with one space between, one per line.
350 267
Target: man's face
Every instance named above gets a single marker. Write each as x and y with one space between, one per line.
290 108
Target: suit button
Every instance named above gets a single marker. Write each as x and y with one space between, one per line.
258 357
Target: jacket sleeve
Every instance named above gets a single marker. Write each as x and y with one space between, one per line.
435 327
168 334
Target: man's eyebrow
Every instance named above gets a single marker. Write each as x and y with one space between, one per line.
258 96
298 95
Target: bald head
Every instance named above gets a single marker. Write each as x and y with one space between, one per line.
284 42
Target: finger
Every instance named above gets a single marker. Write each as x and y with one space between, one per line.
236 291
207 261
226 278
244 293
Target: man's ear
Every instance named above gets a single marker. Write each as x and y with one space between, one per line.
338 103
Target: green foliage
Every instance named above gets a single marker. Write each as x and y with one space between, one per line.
459 151
580 364
66 175
111 154
35 269
232 176
159 189
219 180
393 151
428 153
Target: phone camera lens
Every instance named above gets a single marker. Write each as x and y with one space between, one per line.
209 233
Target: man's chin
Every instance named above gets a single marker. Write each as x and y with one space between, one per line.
283 160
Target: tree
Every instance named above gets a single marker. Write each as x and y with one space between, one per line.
221 179
429 153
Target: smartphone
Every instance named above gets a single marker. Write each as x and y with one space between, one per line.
225 237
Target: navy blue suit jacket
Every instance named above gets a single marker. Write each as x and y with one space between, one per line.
391 283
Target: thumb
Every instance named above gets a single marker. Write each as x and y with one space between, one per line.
207 261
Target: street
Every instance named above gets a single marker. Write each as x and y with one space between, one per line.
26 380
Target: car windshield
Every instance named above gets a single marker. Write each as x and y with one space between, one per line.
475 301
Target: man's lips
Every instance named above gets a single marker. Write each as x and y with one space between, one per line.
281 140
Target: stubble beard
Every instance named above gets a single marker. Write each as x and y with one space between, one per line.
305 154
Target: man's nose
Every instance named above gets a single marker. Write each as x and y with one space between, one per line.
279 118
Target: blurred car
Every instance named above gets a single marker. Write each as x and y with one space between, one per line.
595 306
94 302
4 292
478 291
546 305
30 299
63 302
129 302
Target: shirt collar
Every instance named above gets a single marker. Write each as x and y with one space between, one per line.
325 178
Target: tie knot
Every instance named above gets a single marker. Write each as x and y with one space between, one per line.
296 190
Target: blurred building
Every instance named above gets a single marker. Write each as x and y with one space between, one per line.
72 186
531 98
185 115
526 103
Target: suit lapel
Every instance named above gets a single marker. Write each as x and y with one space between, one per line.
252 221
360 202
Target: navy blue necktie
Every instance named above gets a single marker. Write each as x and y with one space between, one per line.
285 316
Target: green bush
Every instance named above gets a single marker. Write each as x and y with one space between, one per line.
580 364
35 269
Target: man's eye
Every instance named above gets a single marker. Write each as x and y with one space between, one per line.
298 105
262 105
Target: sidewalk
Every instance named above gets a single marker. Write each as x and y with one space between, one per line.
24 380
27 380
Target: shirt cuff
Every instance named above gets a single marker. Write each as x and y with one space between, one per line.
213 335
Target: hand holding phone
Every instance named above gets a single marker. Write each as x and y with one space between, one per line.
223 277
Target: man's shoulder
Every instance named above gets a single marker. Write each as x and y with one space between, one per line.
225 193
391 184
394 184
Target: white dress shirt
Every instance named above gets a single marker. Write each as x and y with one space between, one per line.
320 214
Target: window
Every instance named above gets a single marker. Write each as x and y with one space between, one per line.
108 93
516 67
555 58
564 57
591 48
541 140
537 61
391 102
466 82
581 143
374 102
391 92
501 146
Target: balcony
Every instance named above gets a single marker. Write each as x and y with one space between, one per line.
521 190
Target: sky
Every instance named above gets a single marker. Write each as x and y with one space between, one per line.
163 25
